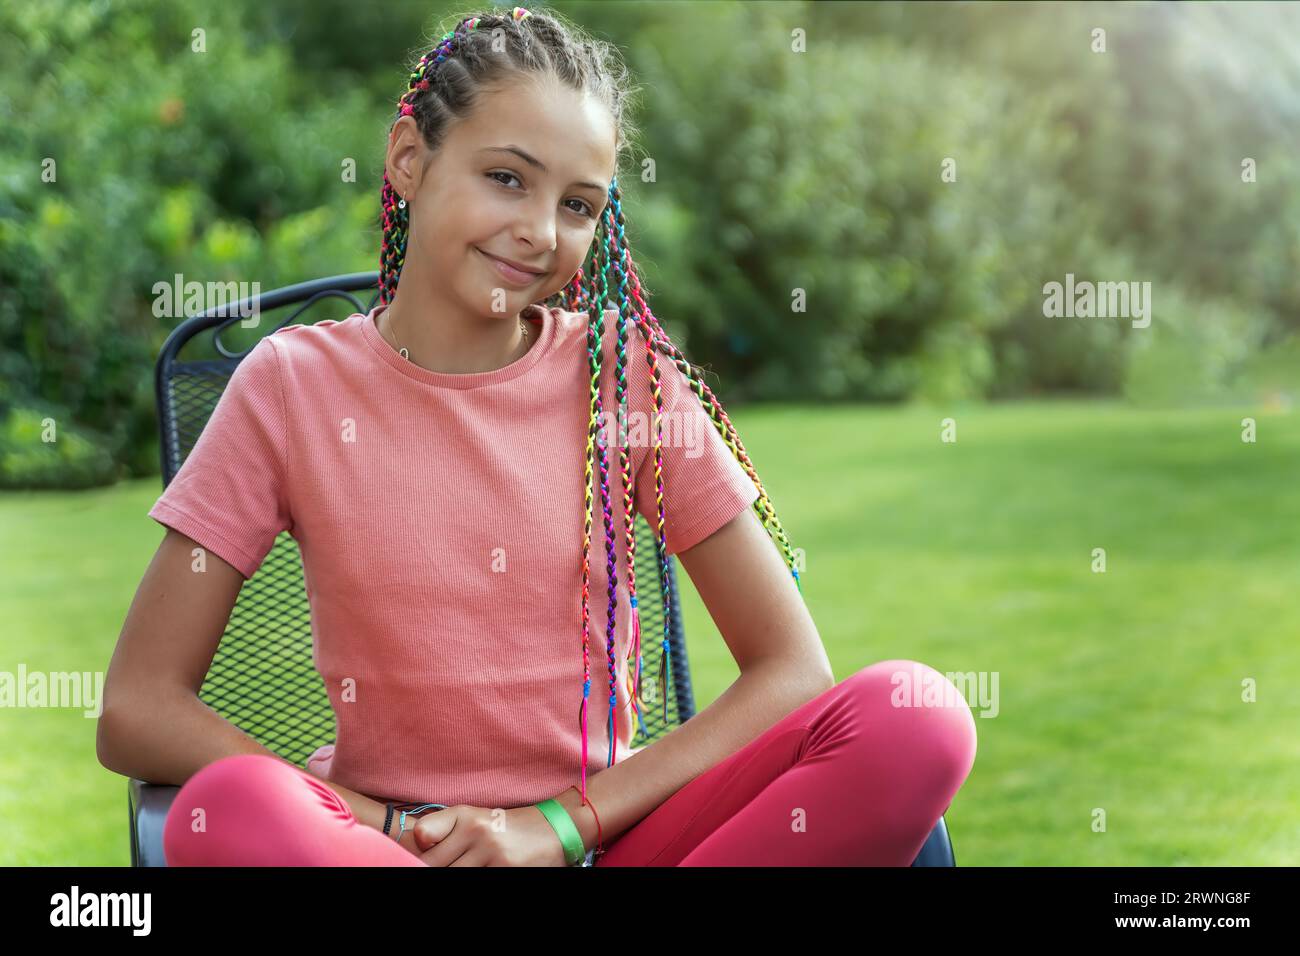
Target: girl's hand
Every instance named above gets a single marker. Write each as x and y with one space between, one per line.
463 835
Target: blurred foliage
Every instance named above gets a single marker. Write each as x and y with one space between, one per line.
774 171
37 451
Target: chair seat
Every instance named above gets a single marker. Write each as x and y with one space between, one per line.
148 804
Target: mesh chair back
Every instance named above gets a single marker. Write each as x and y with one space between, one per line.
262 678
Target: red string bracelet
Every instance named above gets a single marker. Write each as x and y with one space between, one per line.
600 839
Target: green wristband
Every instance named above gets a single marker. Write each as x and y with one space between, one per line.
565 829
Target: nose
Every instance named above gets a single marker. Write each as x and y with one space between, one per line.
536 226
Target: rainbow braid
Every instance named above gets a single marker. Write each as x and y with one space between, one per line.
611 569
622 264
763 505
595 330
625 465
611 251
603 253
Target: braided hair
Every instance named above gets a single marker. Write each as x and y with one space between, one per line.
485 48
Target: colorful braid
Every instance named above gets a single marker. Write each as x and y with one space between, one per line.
625 466
610 274
611 568
610 251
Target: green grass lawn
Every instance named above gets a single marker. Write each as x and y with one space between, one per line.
1123 689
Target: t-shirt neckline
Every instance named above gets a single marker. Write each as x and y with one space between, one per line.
535 314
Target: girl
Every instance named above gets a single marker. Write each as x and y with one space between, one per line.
426 457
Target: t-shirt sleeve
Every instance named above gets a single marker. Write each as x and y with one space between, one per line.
704 485
231 493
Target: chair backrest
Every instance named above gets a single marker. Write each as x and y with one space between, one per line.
262 678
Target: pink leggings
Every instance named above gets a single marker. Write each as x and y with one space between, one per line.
857 776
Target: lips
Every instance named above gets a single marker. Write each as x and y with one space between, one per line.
513 271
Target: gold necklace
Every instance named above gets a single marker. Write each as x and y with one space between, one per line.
406 355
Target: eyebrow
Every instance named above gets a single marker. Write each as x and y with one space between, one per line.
536 163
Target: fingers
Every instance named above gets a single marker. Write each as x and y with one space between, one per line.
448 852
474 856
432 828
446 841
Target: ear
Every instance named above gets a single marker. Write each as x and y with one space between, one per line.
406 158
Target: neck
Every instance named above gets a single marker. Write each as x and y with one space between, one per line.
439 338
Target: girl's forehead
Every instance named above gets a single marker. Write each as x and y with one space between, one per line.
568 132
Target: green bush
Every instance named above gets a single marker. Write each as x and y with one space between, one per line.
821 171
222 165
1198 351
38 450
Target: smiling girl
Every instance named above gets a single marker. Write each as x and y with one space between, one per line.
449 464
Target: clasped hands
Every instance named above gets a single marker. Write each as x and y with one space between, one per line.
463 835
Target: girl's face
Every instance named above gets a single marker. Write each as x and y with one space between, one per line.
526 178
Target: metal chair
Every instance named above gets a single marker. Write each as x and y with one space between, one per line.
262 678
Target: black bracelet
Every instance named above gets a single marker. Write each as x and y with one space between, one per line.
408 807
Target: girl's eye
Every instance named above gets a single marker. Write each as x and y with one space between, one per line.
585 205
586 210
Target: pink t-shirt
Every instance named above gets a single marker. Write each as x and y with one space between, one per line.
440 521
